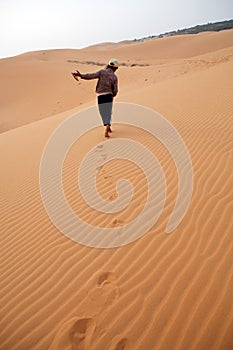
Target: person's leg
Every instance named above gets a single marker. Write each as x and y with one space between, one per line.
108 130
105 110
108 106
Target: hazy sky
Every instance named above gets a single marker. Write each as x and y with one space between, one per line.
28 25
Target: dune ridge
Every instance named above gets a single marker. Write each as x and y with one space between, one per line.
162 291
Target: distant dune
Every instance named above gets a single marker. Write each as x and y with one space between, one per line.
38 84
162 291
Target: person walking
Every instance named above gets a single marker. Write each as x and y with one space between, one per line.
106 89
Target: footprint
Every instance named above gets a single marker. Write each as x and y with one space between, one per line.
107 281
81 333
106 177
77 333
113 197
74 334
118 222
106 291
101 157
106 278
122 344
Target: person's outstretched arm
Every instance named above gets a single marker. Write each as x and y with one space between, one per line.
87 76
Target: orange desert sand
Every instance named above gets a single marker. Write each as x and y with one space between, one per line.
163 291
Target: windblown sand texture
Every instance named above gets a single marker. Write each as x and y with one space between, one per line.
162 291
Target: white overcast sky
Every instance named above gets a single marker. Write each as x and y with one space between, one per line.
28 25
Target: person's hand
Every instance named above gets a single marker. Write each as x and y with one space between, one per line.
76 74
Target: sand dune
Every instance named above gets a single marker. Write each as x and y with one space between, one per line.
38 84
162 291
